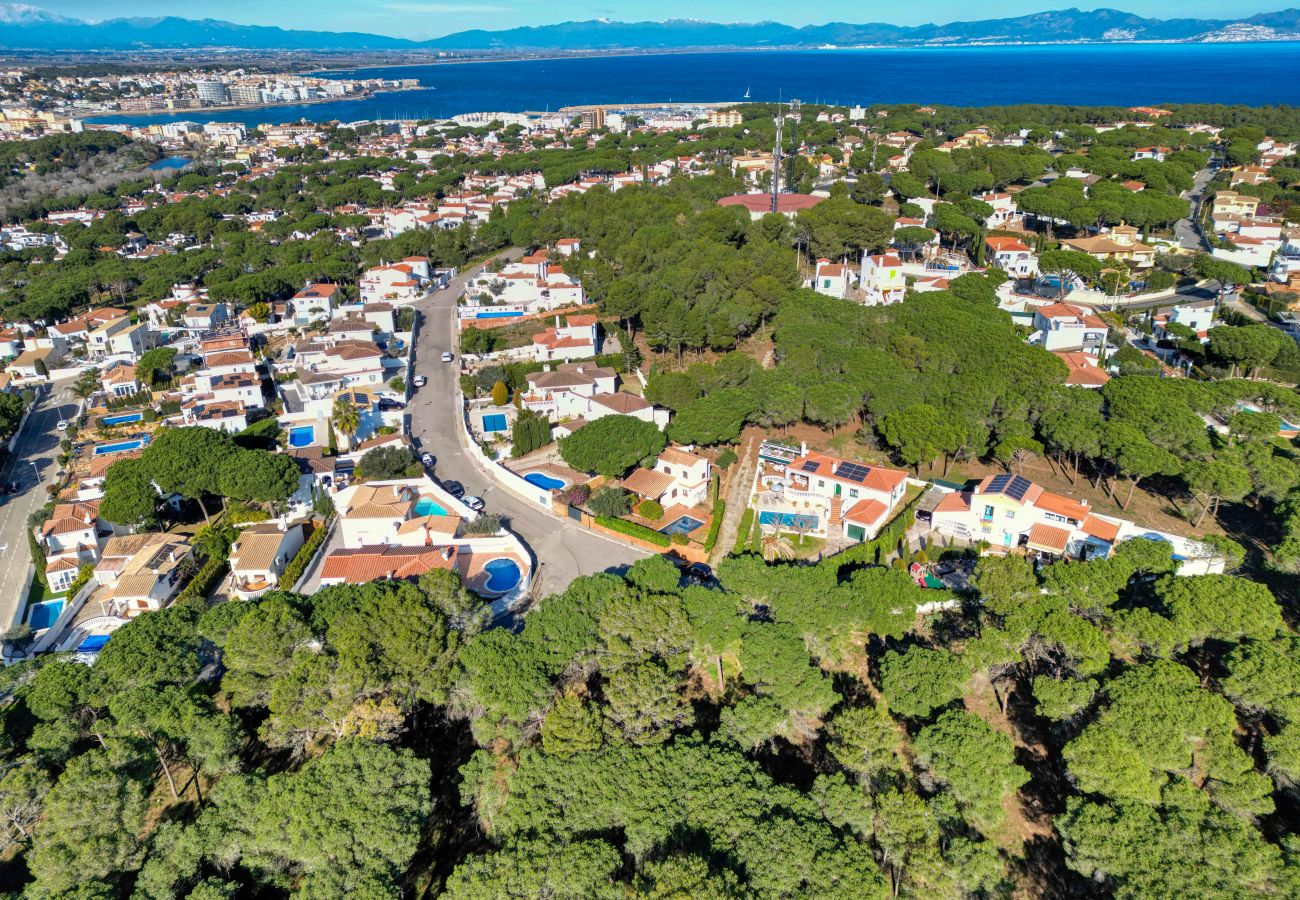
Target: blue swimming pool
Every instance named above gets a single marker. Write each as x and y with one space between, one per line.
43 615
93 643
122 419
545 482
503 575
500 314
426 507
121 446
681 525
302 436
494 422
788 520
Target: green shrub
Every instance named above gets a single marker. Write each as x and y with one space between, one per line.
650 509
726 459
742 533
298 564
238 515
149 415
719 510
679 540
632 529
609 502
398 384
488 523
84 574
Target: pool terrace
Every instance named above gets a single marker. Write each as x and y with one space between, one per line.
550 476
692 521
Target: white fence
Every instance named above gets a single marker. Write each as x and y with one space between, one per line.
516 485
71 609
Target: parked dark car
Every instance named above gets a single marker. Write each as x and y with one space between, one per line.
387 404
699 573
455 488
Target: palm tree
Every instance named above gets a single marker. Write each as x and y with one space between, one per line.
346 418
777 546
86 386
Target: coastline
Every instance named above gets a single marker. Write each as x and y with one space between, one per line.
1124 74
318 101
613 53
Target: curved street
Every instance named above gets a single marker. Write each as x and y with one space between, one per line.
562 550
31 464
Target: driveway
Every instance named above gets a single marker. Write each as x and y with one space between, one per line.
38 446
563 551
1186 230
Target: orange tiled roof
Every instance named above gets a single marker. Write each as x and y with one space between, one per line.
364 564
866 512
1048 537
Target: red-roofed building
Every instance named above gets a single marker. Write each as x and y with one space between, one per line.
575 339
1083 369
882 279
1012 256
827 495
362 565
1010 511
401 282
832 279
759 205
1063 326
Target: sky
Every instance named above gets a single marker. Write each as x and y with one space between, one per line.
421 19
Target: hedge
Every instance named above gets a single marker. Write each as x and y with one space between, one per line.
742 533
874 551
632 529
212 572
719 510
302 558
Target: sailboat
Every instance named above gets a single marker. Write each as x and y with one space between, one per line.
746 97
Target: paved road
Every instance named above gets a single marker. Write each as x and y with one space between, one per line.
1186 230
563 551
38 446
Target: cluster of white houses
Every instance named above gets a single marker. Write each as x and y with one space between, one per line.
796 490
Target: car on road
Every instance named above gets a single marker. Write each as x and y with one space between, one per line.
447 356
474 503
387 404
63 425
420 381
455 488
428 459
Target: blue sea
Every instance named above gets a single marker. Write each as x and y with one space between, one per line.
1255 74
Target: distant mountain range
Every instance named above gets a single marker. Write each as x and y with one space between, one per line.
31 28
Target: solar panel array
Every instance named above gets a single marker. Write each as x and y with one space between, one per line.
853 471
811 465
1014 486
998 484
1018 486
